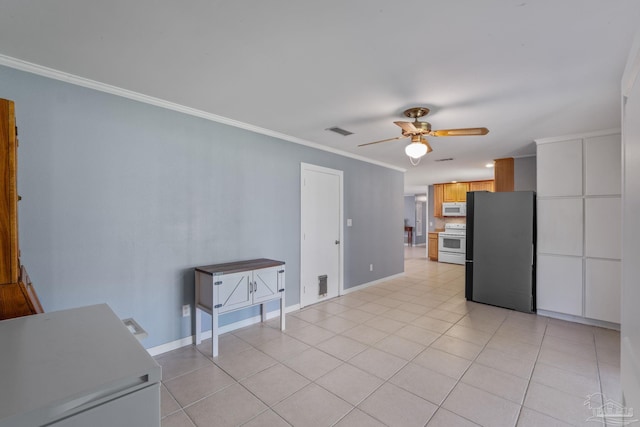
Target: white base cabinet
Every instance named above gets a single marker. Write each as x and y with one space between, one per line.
128 410
559 280
602 289
76 368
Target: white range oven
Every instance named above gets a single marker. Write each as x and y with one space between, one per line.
452 244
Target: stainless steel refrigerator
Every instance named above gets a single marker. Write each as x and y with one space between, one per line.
500 257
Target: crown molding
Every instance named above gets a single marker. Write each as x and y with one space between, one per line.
51 73
552 139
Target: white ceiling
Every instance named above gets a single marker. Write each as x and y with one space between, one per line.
525 69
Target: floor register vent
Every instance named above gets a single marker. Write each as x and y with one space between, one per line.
322 285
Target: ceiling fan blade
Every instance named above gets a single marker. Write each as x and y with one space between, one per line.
407 127
459 132
384 140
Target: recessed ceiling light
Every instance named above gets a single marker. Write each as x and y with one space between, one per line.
453 182
489 165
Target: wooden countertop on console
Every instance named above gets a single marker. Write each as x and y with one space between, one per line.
237 266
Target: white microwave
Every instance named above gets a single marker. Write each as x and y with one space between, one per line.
454 209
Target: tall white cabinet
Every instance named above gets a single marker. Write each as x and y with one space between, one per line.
579 226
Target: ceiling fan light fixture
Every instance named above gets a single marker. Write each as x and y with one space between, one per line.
418 148
416 130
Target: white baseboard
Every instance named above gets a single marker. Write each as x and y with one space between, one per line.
578 319
366 285
173 345
183 342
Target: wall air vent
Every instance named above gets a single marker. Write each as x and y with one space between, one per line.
341 131
444 160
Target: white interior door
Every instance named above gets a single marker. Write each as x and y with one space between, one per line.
321 234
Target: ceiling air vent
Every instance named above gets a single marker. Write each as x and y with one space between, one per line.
341 131
444 160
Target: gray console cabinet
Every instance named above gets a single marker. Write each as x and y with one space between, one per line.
222 288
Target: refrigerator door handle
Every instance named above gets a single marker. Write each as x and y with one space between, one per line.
533 254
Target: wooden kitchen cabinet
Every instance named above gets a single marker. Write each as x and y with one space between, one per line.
481 185
17 295
433 246
9 262
438 190
455 192
503 173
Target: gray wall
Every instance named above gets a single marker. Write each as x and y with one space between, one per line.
122 199
410 213
410 218
421 240
524 174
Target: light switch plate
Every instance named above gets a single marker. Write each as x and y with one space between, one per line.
349 222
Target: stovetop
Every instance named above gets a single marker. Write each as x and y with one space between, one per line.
454 230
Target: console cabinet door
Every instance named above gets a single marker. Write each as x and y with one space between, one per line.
234 291
265 284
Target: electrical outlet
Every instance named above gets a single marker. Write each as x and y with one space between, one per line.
370 267
186 310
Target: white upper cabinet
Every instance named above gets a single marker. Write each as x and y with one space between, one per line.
602 165
603 222
560 226
579 225
559 169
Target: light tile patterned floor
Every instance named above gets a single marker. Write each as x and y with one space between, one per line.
407 352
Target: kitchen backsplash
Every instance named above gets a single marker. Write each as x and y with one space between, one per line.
440 222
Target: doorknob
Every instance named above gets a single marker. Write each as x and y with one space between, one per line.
337 242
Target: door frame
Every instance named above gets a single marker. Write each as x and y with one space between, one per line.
340 174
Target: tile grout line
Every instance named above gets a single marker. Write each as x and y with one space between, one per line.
459 380
524 397
415 285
